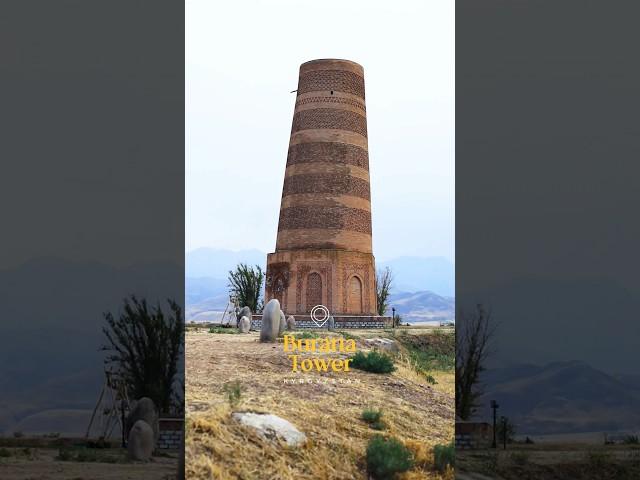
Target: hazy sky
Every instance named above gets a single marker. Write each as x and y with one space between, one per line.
242 61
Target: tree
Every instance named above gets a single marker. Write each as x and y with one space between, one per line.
145 345
508 427
473 336
246 285
384 281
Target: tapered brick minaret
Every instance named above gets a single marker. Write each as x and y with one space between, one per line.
323 249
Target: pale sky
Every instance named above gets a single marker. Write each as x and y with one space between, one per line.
242 60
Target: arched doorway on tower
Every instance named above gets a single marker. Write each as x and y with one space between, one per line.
354 295
314 290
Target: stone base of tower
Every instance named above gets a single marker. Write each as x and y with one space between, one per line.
342 322
341 280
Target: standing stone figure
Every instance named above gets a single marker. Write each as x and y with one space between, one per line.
244 312
331 323
270 321
141 441
144 409
282 326
245 325
291 323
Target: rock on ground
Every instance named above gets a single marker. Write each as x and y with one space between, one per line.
244 312
245 325
141 441
271 426
270 321
384 344
144 409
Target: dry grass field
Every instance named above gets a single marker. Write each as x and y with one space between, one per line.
325 406
548 461
28 463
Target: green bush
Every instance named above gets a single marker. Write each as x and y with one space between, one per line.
222 330
598 460
64 455
387 457
4 452
371 416
83 455
520 458
444 455
305 335
631 440
373 362
233 391
347 335
380 425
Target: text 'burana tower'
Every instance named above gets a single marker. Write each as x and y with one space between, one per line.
323 249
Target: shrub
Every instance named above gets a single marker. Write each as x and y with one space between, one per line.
387 457
520 458
306 335
598 460
631 440
422 454
347 335
428 377
4 452
380 425
222 330
233 391
373 362
371 416
64 455
444 456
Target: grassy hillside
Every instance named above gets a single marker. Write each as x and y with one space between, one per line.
416 401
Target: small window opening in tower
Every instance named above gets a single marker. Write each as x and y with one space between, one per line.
331 92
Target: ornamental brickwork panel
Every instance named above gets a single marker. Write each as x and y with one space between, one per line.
329 118
327 80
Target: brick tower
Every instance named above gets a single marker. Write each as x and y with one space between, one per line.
323 249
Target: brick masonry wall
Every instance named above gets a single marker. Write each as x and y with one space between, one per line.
329 183
334 152
170 435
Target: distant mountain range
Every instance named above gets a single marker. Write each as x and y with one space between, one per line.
414 274
563 397
52 315
422 306
423 287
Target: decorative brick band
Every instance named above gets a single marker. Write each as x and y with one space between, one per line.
320 118
335 217
337 100
332 152
327 80
328 183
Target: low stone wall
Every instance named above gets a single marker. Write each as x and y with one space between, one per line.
472 435
341 322
170 433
